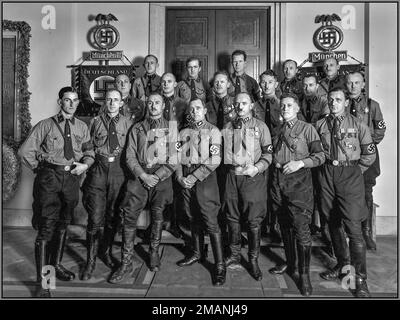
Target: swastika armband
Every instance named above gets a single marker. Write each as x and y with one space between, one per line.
214 149
267 149
368 148
316 146
379 124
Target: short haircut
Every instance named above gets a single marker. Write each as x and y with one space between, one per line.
291 95
114 90
150 56
221 72
337 89
64 90
165 73
289 60
195 99
356 72
311 75
270 73
247 94
156 93
193 59
238 53
337 61
121 74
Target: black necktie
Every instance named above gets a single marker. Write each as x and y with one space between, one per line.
220 113
237 86
268 113
308 111
334 132
192 90
112 136
167 110
353 109
148 86
68 151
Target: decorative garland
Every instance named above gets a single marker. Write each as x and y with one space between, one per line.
11 171
23 60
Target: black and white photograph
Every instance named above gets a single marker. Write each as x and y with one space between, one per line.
199 150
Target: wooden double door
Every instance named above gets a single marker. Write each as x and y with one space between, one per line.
212 35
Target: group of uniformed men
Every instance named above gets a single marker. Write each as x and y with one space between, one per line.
221 149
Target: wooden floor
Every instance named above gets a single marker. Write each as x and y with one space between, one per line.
192 282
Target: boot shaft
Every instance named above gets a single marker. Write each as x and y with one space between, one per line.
40 258
216 244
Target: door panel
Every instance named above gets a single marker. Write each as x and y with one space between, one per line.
212 35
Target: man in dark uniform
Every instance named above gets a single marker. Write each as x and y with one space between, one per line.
247 153
241 81
149 82
369 112
332 78
199 147
297 148
220 108
193 86
268 110
103 182
349 152
291 83
58 149
150 182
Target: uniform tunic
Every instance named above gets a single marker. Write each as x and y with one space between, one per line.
220 111
244 83
189 90
268 110
314 108
141 87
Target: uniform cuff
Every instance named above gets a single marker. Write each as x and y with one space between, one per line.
308 163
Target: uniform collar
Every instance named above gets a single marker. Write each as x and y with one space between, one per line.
150 76
270 99
170 98
240 121
242 76
358 99
115 119
340 118
127 99
154 122
60 118
196 80
291 123
290 80
312 99
198 124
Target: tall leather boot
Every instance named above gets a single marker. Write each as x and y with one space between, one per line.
41 260
358 260
254 235
128 239
197 247
304 257
105 253
220 268
155 239
289 245
92 240
341 251
235 243
367 226
58 250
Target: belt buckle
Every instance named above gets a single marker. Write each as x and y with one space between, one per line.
335 162
111 159
67 168
149 166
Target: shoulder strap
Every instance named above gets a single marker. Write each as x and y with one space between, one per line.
104 122
58 126
328 122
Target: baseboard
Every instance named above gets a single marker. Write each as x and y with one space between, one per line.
385 225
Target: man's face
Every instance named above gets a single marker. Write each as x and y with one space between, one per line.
337 102
289 108
355 83
197 110
310 86
69 102
150 65
155 105
331 68
221 85
123 84
243 105
193 69
113 101
168 84
290 70
268 85
238 63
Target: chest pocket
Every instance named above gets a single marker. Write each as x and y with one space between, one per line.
100 139
121 138
298 143
78 141
350 138
52 141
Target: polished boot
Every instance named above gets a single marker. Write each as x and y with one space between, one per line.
220 268
341 251
126 268
304 257
58 250
41 260
155 239
275 233
289 245
197 247
254 236
367 226
358 260
105 253
92 247
235 243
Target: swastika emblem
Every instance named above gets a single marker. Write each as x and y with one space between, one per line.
328 37
371 148
99 87
106 37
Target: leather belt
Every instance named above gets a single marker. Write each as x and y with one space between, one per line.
57 167
337 163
